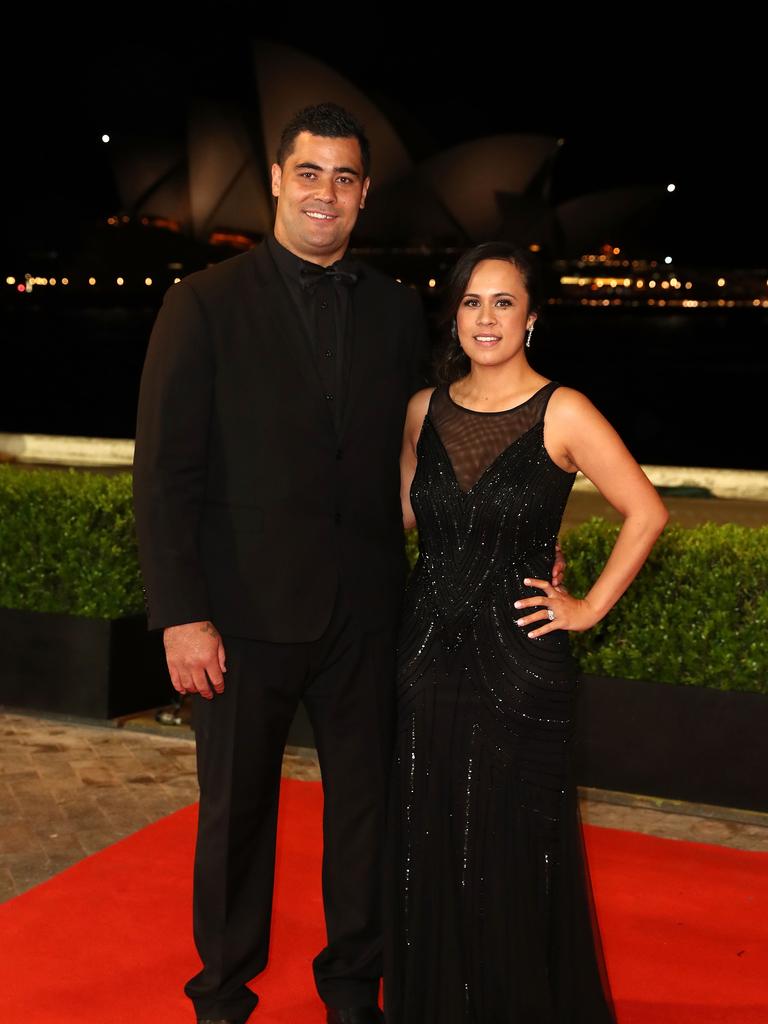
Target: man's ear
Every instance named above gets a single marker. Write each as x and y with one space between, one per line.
277 177
366 186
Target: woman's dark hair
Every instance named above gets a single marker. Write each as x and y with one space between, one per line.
330 121
452 363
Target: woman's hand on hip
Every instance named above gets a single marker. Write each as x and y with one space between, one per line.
569 612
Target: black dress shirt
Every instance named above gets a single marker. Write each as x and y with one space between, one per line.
324 305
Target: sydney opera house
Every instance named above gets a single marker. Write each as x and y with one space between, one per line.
203 193
213 185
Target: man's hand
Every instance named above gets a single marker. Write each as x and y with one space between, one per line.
558 567
192 650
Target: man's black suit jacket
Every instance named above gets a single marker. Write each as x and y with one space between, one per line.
250 508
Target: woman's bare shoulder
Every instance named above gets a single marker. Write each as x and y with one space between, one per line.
569 404
414 417
419 403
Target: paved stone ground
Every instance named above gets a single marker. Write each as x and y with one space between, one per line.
69 789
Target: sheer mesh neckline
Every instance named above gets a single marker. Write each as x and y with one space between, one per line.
473 440
495 412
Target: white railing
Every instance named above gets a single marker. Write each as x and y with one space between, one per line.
52 449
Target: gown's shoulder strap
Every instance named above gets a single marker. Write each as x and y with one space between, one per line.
440 410
428 412
542 398
438 399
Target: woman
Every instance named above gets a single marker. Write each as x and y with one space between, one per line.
491 913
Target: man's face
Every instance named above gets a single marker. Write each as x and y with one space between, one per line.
320 191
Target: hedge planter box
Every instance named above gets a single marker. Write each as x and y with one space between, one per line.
681 742
91 668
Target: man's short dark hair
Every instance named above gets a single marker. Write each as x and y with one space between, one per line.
330 121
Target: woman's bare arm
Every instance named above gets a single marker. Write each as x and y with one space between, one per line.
578 432
414 419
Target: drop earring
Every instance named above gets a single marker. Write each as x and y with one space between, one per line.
528 339
454 330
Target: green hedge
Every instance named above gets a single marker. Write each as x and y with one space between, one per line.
697 612
67 543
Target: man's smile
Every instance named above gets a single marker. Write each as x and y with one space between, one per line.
319 215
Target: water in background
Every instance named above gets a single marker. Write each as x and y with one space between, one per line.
681 388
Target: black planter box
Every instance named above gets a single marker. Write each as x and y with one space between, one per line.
680 742
658 739
91 668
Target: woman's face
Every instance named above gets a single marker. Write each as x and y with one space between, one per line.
492 317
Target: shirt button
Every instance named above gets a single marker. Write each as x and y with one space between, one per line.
329 396
339 453
337 518
328 353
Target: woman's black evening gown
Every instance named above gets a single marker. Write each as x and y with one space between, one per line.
491 918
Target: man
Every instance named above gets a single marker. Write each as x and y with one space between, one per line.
266 489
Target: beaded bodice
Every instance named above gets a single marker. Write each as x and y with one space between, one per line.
488 501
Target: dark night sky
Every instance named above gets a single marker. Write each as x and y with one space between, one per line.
645 107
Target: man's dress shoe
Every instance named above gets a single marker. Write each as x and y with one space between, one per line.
358 1015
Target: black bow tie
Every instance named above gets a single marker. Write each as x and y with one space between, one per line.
339 271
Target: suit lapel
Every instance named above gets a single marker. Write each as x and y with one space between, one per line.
366 346
274 299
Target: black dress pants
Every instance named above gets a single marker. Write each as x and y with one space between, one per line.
346 680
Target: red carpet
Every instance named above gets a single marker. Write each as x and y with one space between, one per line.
109 941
